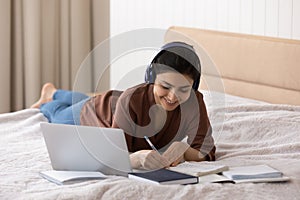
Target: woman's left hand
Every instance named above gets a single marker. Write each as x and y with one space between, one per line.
175 153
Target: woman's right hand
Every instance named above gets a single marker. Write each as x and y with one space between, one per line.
148 159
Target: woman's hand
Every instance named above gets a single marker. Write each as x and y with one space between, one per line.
179 152
175 153
148 159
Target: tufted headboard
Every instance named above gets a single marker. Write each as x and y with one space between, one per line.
256 67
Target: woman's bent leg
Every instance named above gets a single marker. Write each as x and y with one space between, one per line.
63 113
69 97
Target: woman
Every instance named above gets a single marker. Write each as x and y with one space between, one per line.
167 108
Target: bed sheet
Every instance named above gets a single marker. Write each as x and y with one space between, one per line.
245 131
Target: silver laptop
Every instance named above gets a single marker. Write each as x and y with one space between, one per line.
86 148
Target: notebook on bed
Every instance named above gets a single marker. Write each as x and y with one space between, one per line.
85 148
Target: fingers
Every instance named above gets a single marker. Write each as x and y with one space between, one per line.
154 160
176 162
176 152
135 160
151 160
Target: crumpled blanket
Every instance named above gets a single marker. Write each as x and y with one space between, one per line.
245 131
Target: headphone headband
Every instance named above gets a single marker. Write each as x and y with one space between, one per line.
177 44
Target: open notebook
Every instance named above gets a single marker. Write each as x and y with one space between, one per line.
244 174
199 168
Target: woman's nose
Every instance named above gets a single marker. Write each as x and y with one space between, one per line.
172 96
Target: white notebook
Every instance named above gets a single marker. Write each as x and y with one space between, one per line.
63 177
252 172
216 178
246 174
199 168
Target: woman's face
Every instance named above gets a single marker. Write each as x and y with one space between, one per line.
171 89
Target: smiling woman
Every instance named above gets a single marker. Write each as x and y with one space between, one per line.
166 109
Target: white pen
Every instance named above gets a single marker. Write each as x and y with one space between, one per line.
150 143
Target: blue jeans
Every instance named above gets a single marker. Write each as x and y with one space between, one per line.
65 107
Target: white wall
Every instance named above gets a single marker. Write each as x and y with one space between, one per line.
276 18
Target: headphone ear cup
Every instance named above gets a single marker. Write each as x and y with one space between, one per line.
196 85
148 74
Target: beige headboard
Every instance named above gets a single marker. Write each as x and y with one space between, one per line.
256 67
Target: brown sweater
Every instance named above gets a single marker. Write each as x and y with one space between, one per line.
135 111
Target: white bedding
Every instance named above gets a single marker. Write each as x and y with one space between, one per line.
248 132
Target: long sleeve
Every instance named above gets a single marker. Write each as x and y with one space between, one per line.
199 130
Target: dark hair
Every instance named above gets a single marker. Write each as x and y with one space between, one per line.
183 60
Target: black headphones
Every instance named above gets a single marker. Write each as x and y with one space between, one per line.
150 74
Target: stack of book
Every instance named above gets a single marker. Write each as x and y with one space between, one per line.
185 173
246 174
255 173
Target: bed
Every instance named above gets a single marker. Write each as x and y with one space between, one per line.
254 111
